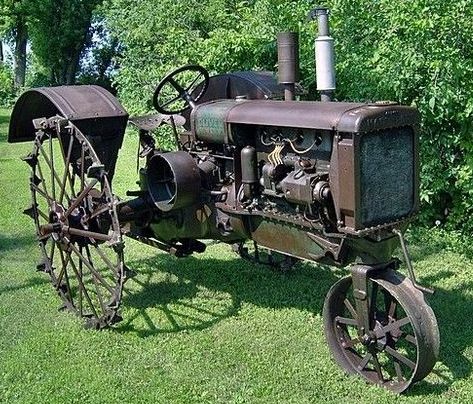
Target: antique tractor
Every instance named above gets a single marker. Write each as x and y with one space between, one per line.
279 179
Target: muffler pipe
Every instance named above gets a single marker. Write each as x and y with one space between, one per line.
288 62
324 54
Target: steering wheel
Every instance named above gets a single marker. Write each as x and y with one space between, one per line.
175 92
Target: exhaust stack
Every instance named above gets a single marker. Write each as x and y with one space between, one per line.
324 54
288 62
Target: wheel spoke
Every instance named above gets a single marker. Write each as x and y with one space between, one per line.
92 269
64 262
346 320
53 172
84 289
94 279
398 370
81 197
66 276
51 254
82 169
54 175
100 210
199 75
42 193
410 338
105 259
40 173
395 325
364 362
350 343
80 278
42 214
377 367
350 308
177 86
66 177
171 101
401 358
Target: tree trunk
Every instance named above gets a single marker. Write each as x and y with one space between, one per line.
72 68
1 52
19 54
74 63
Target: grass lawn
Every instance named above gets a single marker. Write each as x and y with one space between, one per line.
209 328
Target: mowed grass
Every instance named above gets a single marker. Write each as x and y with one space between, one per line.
206 329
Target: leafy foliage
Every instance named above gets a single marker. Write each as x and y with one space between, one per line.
60 32
99 63
220 35
7 92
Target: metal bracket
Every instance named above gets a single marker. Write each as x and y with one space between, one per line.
359 274
96 171
410 269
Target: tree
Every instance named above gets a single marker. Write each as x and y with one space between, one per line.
61 30
99 63
14 27
222 35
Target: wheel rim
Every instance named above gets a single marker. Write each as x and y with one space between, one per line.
401 346
76 224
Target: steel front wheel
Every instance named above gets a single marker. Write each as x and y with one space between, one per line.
76 223
402 344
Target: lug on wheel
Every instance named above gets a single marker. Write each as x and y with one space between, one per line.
76 223
401 346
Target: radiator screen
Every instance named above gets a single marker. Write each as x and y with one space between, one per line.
386 175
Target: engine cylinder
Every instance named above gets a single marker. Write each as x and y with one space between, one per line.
173 180
249 170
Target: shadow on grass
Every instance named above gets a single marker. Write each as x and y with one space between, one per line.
10 242
453 309
238 280
26 285
304 289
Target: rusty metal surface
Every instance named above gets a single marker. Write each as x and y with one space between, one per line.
340 116
249 84
392 171
150 123
91 108
173 180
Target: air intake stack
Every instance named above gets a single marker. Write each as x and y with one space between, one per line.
288 62
324 54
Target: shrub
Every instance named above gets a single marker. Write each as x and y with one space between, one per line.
7 93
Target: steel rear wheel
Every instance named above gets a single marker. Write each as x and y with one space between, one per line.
76 223
403 343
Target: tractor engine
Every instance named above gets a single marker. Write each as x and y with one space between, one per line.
306 179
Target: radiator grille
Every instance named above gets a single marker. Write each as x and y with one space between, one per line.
387 169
